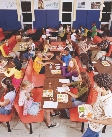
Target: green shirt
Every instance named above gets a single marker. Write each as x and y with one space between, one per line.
82 91
94 31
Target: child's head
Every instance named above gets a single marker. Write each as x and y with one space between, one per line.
84 78
39 54
26 84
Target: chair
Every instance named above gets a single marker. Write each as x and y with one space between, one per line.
1 34
109 53
96 39
32 76
6 118
12 42
28 119
74 116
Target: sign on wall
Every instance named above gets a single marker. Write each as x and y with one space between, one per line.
88 4
48 4
8 4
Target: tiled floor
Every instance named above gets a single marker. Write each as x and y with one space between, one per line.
65 129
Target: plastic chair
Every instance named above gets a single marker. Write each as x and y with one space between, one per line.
74 116
28 119
96 39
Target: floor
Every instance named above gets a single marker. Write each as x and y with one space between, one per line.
66 128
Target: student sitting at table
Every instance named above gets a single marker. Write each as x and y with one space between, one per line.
10 94
46 51
71 70
64 56
69 45
30 50
103 48
9 52
33 108
25 99
83 85
38 65
17 74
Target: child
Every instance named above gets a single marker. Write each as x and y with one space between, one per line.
71 70
102 108
25 99
17 74
83 85
10 94
38 65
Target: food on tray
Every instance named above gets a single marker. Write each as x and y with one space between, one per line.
62 98
105 63
85 111
48 93
56 71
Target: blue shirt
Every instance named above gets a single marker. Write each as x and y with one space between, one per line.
66 59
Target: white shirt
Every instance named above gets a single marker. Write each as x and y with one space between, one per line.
73 38
10 96
102 110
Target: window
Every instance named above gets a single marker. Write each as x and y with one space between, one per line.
27 17
108 7
26 6
67 6
105 17
66 17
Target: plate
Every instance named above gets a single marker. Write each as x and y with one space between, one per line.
105 63
56 71
48 93
62 98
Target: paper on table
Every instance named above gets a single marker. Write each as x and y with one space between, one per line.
50 104
64 80
63 89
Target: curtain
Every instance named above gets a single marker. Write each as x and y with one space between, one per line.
101 8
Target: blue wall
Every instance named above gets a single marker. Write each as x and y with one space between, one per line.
9 20
86 17
46 18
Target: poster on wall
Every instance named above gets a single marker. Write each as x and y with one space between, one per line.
48 4
8 4
88 4
95 5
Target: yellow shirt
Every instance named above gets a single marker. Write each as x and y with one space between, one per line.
85 32
13 71
37 66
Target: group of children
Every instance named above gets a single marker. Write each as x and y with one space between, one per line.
102 84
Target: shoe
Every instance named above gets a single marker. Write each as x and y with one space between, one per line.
53 125
55 114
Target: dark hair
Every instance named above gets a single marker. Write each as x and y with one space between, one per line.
85 79
103 80
18 66
103 35
8 82
40 46
67 49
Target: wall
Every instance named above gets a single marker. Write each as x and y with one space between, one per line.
86 17
46 18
